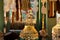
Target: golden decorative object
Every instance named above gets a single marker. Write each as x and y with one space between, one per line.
29 32
43 32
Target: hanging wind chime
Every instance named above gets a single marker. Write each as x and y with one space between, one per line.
43 32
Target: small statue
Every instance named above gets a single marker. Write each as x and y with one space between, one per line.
29 32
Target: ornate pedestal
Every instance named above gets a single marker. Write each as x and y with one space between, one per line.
29 33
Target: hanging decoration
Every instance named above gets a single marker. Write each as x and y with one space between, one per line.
43 32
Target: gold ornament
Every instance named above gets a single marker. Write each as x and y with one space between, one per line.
29 32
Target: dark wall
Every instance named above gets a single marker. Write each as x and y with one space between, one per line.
51 22
1 15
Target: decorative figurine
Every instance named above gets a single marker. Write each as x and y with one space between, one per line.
56 28
29 32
